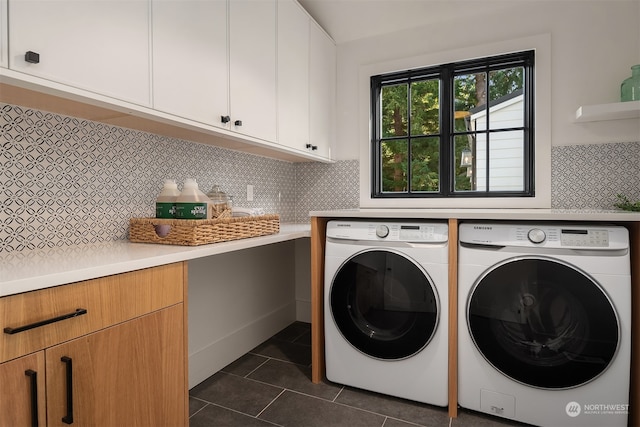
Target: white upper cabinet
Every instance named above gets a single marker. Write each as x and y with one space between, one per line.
100 46
4 48
252 68
293 75
322 94
190 56
261 73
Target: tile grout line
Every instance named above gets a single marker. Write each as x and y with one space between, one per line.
258 367
270 403
338 395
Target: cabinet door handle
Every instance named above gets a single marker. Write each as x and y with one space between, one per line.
68 419
32 57
78 312
33 376
225 119
238 123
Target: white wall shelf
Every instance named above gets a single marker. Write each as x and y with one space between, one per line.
614 111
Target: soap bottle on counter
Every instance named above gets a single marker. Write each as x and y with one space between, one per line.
191 203
166 201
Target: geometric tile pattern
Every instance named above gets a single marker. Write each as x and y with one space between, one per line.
67 181
321 186
590 176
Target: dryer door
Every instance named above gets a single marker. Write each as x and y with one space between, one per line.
384 304
543 323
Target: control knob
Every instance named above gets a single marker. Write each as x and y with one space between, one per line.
382 231
536 235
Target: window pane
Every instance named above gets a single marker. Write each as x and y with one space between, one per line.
394 165
425 164
425 107
506 98
506 159
505 82
464 161
470 93
393 107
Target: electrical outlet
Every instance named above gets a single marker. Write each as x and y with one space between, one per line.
249 193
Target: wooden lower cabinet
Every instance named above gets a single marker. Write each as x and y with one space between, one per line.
126 375
16 388
130 370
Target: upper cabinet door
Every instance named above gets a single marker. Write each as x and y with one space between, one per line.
293 75
96 45
190 57
4 28
252 67
322 91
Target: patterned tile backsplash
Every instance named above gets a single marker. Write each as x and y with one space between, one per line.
590 176
67 181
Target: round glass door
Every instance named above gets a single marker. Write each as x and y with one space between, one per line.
543 323
384 304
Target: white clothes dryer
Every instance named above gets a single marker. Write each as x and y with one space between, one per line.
544 322
385 307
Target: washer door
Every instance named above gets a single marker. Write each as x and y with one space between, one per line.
384 304
543 323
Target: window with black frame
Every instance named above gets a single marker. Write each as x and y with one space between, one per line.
462 129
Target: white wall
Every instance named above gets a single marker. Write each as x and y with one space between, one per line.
593 46
236 301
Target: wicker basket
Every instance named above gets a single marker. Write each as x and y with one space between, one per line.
193 232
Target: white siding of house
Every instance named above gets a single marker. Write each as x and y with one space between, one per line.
506 148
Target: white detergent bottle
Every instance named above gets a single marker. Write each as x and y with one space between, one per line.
166 201
191 203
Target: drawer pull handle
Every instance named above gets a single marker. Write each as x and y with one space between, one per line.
68 419
33 376
78 312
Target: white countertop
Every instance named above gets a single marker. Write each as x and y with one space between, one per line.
25 271
486 214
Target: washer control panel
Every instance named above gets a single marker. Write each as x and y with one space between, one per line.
570 236
592 238
412 232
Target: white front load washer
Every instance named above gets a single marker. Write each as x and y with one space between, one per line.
385 307
544 322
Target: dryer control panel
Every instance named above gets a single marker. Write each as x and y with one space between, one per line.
570 236
413 232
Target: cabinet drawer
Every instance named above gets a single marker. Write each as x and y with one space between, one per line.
107 301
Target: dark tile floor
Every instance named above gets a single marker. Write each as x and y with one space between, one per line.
271 386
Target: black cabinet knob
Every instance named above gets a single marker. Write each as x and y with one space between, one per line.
314 147
225 119
32 57
238 123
